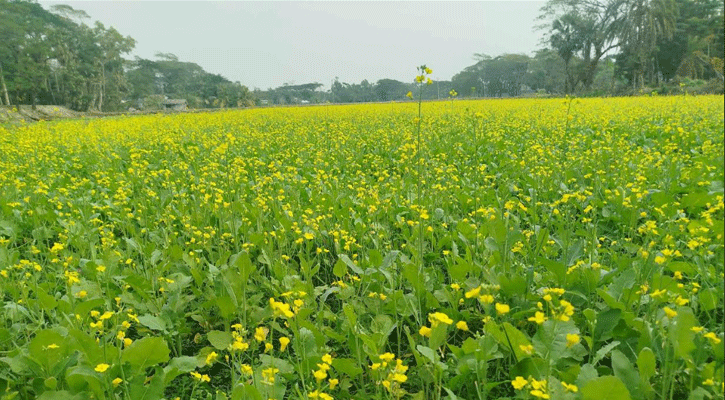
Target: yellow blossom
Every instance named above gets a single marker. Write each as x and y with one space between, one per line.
570 387
572 339
538 317
283 342
101 367
712 337
519 383
425 331
502 309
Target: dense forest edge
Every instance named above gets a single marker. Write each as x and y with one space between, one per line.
590 48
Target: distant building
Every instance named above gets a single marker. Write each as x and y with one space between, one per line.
174 105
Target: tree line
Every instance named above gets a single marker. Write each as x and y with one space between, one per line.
591 47
53 57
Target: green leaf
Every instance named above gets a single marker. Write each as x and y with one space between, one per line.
586 373
606 321
555 267
345 259
153 390
535 367
178 366
351 315
509 338
306 340
81 377
451 395
682 266
699 394
284 366
708 299
438 336
146 352
427 352
605 387
219 339
243 264
86 345
340 269
646 364
39 348
624 370
51 383
246 392
681 333
62 395
347 366
152 322
551 339
601 353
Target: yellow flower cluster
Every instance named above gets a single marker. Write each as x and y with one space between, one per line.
393 371
320 374
537 388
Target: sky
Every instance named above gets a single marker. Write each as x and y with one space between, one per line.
267 44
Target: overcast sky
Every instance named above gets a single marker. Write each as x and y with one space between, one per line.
267 44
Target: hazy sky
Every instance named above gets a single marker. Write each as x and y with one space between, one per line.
265 44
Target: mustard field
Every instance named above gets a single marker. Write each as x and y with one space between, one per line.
509 249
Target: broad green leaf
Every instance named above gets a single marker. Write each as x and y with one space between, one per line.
152 322
42 349
81 377
245 392
350 314
681 334
427 352
624 370
438 336
602 352
63 395
555 267
605 387
139 389
244 265
708 299
646 364
347 366
219 339
340 269
451 395
550 339
535 367
306 339
699 394
146 352
509 338
178 366
284 366
606 321
354 268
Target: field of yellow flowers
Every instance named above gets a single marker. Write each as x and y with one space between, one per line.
515 249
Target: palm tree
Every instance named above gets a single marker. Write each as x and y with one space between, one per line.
643 23
567 41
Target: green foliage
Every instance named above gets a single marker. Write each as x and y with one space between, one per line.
516 248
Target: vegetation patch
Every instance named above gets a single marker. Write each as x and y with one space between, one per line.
497 249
